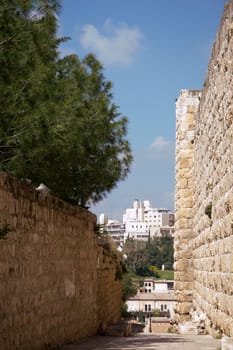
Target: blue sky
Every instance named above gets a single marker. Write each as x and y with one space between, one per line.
150 50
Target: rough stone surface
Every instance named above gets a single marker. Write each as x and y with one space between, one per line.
57 283
119 329
186 107
206 159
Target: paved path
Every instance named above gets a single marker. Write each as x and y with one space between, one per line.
147 342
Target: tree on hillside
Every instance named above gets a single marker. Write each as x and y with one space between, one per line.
159 251
59 124
143 258
129 288
154 269
136 261
167 251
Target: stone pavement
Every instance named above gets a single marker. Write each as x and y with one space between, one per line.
147 342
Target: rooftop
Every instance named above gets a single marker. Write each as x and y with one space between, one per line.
154 296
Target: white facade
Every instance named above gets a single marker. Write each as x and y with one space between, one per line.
143 222
116 230
157 286
154 295
140 222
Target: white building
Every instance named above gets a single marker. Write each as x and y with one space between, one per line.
154 295
116 230
143 222
140 222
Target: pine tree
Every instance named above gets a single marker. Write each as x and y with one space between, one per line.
27 53
58 123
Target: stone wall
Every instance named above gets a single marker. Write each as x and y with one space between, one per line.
207 254
52 290
213 173
186 107
109 288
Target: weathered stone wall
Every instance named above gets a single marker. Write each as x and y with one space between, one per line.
49 275
186 107
109 288
210 261
213 174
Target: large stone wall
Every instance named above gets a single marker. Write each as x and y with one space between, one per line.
207 254
53 289
109 288
186 107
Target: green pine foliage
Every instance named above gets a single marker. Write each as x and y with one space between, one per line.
129 286
27 54
58 122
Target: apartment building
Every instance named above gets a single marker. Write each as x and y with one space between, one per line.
141 222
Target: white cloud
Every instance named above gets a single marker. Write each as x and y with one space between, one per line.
160 144
161 150
115 45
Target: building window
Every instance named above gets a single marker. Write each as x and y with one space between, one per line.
147 307
170 285
162 307
165 307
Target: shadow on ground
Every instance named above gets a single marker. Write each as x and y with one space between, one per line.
142 341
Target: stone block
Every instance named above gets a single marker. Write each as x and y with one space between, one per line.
184 308
185 163
227 343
